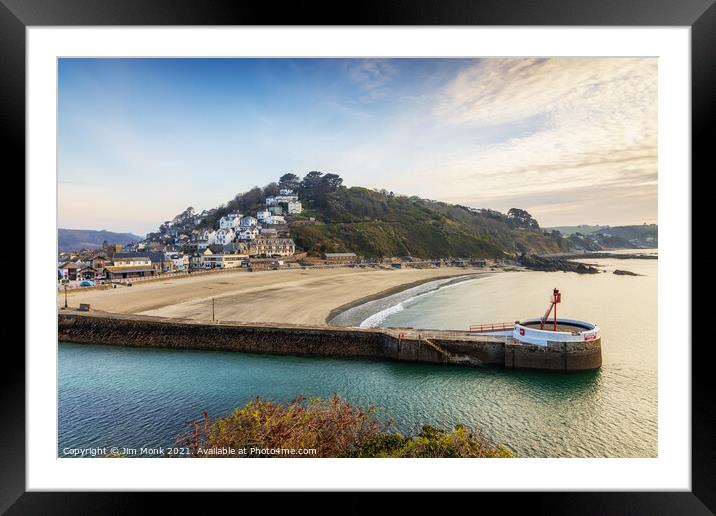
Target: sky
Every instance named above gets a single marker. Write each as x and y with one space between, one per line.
571 140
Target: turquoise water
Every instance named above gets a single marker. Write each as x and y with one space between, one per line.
112 396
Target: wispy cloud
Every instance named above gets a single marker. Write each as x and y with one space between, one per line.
600 127
372 76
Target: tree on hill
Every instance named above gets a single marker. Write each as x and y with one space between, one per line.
289 182
309 184
271 190
328 184
518 218
331 182
316 187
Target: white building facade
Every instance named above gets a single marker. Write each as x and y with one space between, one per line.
230 221
275 219
294 207
248 221
222 261
248 233
224 237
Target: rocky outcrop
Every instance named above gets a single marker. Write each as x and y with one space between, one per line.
543 263
620 272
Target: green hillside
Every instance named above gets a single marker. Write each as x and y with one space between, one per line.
376 224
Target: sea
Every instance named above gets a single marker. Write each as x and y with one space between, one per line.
144 398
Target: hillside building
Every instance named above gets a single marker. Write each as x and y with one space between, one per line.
294 207
230 221
248 221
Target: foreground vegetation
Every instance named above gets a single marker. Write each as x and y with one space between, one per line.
332 427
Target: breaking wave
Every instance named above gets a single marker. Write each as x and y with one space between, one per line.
374 313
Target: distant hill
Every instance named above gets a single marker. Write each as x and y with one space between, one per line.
91 239
612 237
584 229
641 236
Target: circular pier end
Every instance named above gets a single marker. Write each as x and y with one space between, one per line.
556 356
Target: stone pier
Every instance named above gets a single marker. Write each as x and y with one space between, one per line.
405 345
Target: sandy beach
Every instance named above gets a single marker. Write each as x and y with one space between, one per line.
307 296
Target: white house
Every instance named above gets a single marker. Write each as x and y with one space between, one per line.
181 261
248 221
294 207
275 219
263 215
271 201
248 233
224 236
208 235
286 198
286 191
230 221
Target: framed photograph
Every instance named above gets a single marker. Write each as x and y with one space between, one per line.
433 248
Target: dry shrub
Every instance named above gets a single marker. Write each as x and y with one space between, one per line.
333 427
329 426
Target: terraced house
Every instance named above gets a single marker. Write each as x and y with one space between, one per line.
272 247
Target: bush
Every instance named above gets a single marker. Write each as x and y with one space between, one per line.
332 427
432 442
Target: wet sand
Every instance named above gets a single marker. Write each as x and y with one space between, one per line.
309 296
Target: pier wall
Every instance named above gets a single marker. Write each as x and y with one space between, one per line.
558 356
374 343
138 331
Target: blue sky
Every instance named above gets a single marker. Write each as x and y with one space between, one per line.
571 140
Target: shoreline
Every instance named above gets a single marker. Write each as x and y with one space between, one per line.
397 290
312 297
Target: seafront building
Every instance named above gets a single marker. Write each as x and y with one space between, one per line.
272 247
130 265
340 258
210 260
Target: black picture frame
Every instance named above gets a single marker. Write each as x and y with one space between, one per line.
17 15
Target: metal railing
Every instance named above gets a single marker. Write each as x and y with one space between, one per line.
480 328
